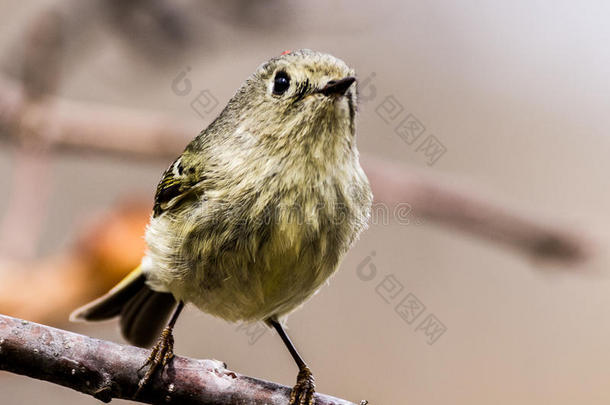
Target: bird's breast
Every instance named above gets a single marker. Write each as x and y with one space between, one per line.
268 250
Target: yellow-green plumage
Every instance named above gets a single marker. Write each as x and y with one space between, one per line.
258 211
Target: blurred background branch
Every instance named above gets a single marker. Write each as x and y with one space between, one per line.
95 128
440 200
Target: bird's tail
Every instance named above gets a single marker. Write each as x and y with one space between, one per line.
142 311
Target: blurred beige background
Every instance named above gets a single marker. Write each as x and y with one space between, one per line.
517 92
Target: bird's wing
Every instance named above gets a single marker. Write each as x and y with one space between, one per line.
179 181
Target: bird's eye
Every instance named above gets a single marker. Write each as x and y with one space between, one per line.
281 83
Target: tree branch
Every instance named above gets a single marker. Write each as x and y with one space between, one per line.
109 370
469 211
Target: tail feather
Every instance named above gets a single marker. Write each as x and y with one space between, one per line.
110 304
143 317
143 312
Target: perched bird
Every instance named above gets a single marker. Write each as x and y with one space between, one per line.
257 212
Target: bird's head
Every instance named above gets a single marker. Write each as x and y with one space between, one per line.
298 96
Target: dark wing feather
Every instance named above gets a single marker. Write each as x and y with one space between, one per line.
178 181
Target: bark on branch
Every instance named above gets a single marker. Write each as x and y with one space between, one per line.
109 370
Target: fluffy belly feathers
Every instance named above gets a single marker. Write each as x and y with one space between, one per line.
240 267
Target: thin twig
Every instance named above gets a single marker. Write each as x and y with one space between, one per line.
109 370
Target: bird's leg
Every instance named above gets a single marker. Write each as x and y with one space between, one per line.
162 352
303 392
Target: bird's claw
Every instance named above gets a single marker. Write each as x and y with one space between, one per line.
160 355
303 392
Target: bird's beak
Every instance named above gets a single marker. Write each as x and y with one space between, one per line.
337 87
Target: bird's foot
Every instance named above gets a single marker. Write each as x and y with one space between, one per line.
304 390
161 354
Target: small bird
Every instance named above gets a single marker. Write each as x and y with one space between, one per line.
255 215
